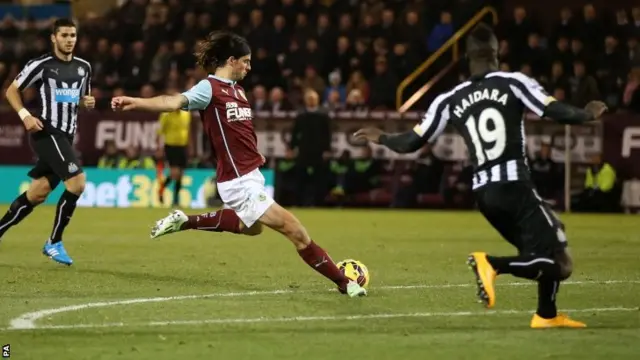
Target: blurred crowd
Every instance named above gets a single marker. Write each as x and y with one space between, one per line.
347 50
350 52
588 55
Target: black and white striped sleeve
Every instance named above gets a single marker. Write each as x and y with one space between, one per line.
86 87
30 74
530 92
435 119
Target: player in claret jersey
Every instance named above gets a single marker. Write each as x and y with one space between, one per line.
227 119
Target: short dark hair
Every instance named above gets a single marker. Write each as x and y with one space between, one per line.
482 42
62 23
219 46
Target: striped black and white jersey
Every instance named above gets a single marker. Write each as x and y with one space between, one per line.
60 85
488 112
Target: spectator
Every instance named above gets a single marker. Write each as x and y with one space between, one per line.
137 65
278 36
611 68
311 140
278 100
440 33
412 33
546 174
380 96
387 27
563 53
635 26
315 57
536 56
160 65
578 53
404 62
259 98
622 28
357 81
505 56
518 29
631 94
335 84
333 101
325 34
313 81
583 87
633 50
344 53
567 26
356 101
600 192
558 78
592 31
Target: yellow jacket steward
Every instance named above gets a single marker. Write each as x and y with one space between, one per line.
144 162
604 180
174 127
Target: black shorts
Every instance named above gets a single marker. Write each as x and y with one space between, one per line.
57 161
522 218
176 156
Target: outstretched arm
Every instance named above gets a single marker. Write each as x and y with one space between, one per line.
403 143
432 125
570 115
163 103
196 98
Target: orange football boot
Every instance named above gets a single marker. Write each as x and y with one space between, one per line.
560 321
485 278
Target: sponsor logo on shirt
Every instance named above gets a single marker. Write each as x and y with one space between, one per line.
236 113
71 96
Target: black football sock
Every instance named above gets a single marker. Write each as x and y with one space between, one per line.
526 266
64 211
18 210
547 291
167 182
176 192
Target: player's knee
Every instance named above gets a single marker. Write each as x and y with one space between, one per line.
565 271
566 265
175 173
38 191
76 184
253 230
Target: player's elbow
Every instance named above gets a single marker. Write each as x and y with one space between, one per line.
12 90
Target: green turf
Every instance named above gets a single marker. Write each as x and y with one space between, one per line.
115 260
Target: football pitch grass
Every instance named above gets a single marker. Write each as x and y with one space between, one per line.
199 295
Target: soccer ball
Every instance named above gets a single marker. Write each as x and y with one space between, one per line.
355 270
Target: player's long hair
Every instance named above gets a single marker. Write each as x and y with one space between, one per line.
214 51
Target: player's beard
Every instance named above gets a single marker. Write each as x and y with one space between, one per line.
63 49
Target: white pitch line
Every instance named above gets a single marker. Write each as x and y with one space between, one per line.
230 321
28 320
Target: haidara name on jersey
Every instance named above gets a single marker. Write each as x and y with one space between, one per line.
478 95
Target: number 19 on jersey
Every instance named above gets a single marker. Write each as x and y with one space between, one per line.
488 135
